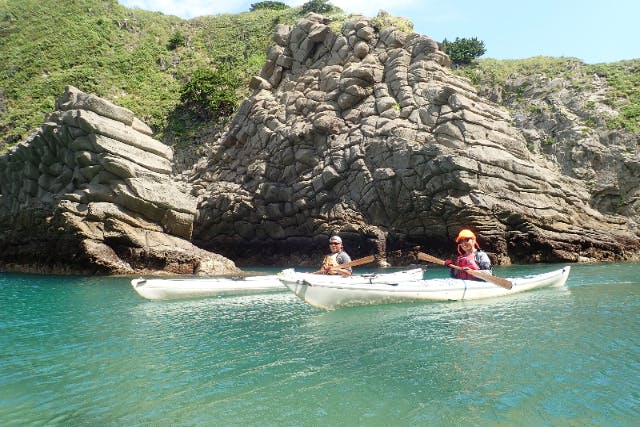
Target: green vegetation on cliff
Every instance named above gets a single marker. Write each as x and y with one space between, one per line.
623 79
140 60
147 61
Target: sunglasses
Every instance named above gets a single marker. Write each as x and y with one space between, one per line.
334 244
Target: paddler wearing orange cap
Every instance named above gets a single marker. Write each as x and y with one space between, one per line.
470 256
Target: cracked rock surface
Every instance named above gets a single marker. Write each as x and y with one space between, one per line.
366 133
91 192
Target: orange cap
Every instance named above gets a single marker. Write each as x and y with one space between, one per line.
465 234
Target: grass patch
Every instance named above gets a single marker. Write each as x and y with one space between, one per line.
138 59
623 80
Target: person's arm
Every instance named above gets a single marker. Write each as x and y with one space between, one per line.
453 273
483 261
325 267
343 258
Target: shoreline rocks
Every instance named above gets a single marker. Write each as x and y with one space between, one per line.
91 192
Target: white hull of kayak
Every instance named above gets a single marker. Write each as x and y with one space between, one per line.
290 276
167 289
330 296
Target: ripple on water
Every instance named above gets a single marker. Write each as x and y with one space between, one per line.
88 352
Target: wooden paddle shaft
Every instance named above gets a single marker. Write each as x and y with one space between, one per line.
484 276
360 261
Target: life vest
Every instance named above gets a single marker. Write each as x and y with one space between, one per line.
330 261
467 261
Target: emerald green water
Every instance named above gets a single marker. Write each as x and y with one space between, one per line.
91 352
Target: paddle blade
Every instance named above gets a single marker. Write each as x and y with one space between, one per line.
490 278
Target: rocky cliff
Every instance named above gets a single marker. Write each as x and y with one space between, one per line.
91 192
366 132
564 118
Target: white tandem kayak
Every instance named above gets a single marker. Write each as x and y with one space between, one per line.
165 289
330 296
290 276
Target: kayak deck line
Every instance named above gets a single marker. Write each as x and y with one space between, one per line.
330 296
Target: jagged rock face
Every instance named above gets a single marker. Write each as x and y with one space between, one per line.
557 118
91 192
367 134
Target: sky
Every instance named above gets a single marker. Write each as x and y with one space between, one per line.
593 31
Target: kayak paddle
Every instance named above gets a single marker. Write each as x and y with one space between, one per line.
359 261
479 274
365 260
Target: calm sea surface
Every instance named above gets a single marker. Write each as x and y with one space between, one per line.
90 352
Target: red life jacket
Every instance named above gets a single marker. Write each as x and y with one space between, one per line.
467 261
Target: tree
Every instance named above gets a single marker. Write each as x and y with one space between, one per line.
177 39
317 6
211 93
463 51
273 5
